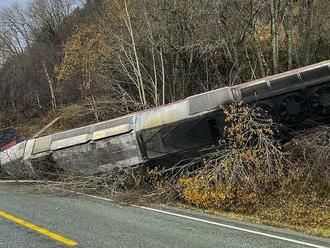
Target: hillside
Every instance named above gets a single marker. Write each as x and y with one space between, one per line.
89 61
113 57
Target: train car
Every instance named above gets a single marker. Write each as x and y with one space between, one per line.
8 139
171 133
293 98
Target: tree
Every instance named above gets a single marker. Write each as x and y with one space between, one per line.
124 56
308 30
289 32
84 54
274 13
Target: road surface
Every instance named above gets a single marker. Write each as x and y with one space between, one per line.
32 219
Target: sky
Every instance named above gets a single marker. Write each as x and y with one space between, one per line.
6 3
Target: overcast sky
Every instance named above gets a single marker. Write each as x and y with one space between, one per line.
6 3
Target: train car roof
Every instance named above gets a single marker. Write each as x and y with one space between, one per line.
283 74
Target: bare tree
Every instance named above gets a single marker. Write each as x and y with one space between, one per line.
50 83
274 13
308 30
289 33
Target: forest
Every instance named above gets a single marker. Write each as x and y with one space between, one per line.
112 57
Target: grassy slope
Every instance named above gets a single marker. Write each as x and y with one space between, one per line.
72 116
295 214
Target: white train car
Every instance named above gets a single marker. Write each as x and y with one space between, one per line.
176 131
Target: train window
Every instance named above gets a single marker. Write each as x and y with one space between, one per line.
248 92
316 74
290 82
255 91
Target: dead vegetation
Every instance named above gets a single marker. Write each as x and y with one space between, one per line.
71 116
253 174
259 176
252 164
3 173
311 149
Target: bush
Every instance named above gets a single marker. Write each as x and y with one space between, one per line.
251 165
311 150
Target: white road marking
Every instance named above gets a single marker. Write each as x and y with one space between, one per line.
234 227
207 222
204 221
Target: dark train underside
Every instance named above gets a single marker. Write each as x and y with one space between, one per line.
298 100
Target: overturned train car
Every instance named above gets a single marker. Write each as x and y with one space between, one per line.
176 131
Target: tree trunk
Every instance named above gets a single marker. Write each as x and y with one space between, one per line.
50 83
155 75
139 74
275 34
308 30
163 76
288 32
261 59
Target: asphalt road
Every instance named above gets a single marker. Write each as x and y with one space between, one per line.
98 223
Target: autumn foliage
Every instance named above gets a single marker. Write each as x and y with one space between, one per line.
260 175
251 164
84 53
116 57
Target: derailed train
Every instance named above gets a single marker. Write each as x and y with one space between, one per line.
173 132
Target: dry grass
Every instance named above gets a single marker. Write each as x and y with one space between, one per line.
71 116
312 219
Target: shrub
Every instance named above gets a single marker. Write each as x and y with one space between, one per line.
311 150
251 165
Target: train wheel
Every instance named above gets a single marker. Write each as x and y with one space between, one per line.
320 101
293 109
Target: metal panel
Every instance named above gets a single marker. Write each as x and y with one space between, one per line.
203 130
13 154
113 123
73 133
42 144
317 76
286 84
219 97
113 131
60 144
210 100
102 155
12 162
305 69
254 92
163 115
199 103
29 148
